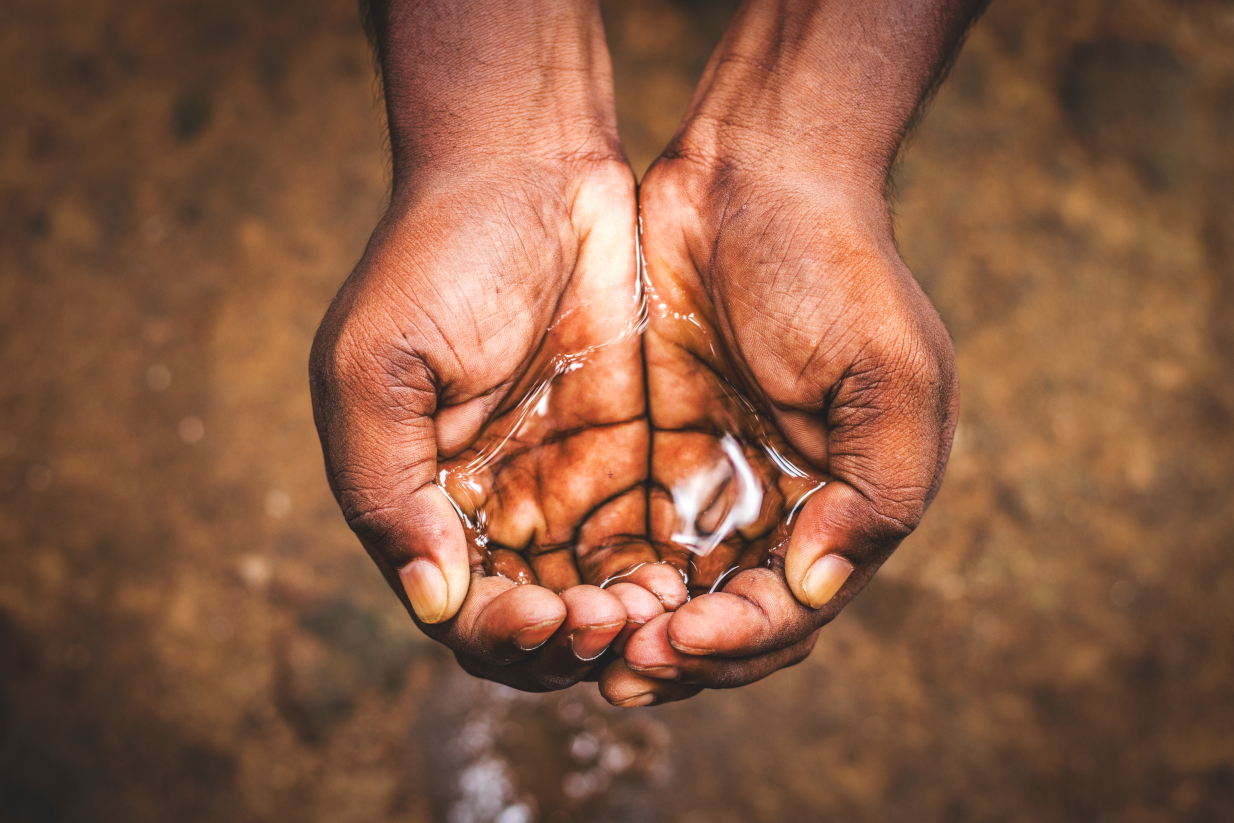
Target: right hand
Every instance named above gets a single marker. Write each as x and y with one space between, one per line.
471 284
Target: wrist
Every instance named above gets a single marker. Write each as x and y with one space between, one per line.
769 110
548 204
471 83
821 88
541 131
553 186
721 179
733 147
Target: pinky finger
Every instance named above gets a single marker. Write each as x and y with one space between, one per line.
628 689
641 607
662 580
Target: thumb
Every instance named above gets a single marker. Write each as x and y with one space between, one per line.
428 549
831 539
381 457
889 435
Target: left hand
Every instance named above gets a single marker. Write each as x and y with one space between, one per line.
770 250
789 288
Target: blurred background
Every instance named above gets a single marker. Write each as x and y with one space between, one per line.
189 632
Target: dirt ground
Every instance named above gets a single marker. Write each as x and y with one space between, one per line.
189 632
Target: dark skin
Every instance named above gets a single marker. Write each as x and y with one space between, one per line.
510 241
766 215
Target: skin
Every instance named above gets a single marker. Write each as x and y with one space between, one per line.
510 241
766 219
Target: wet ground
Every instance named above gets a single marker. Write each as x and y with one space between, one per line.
189 632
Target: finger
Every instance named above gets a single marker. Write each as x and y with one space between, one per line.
628 689
612 541
510 565
640 605
556 570
718 673
501 623
650 654
420 547
594 617
381 465
888 434
837 533
663 581
755 614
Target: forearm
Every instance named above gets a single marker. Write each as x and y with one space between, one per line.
466 80
822 84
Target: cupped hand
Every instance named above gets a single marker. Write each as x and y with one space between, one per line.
785 337
780 311
479 288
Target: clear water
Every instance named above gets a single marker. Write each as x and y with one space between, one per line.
555 493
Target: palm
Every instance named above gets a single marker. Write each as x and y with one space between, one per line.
486 346
801 398
550 491
725 480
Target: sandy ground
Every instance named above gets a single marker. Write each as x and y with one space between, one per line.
189 632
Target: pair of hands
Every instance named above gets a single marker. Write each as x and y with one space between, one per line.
780 280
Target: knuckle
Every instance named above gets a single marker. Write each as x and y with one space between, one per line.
354 360
894 498
371 499
895 514
909 363
902 383
921 367
367 512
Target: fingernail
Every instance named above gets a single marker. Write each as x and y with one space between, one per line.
825 578
638 700
671 601
588 644
658 672
533 637
426 589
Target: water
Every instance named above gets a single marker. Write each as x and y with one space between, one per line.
641 447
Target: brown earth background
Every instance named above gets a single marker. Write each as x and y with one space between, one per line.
189 632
